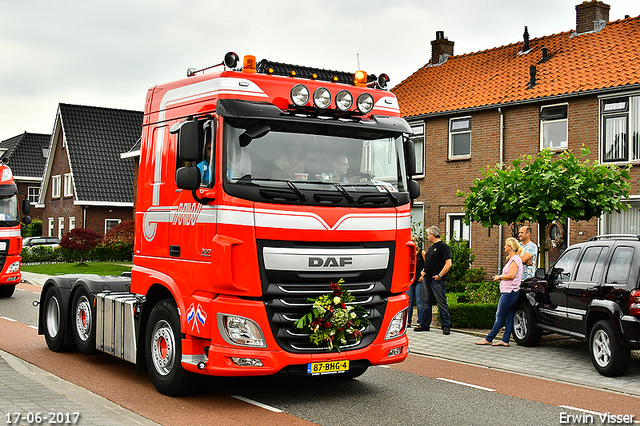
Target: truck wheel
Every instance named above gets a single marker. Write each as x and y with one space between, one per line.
53 317
164 350
608 355
84 321
524 332
7 290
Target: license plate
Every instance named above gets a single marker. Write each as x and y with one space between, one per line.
329 367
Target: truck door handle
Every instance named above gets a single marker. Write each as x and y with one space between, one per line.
174 251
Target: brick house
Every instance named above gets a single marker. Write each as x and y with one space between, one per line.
86 184
26 154
485 108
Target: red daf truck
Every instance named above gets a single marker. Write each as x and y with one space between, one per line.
10 239
258 187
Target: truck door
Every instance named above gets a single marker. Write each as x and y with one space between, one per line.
560 275
585 286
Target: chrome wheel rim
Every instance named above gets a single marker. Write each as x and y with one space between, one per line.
83 318
163 348
601 347
520 328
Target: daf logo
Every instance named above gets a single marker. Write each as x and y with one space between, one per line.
330 262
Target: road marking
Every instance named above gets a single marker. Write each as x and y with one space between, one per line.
33 326
9 319
466 384
601 415
256 403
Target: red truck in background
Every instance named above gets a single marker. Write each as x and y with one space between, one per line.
10 238
258 187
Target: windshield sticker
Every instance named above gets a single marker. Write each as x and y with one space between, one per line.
382 185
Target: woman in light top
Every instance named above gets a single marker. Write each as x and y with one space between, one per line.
509 292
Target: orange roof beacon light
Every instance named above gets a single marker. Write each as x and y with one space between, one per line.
249 64
360 78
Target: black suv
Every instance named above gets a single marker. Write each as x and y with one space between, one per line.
592 292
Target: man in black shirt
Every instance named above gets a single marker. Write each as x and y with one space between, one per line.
436 266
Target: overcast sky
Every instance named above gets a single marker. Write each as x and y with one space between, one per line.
109 53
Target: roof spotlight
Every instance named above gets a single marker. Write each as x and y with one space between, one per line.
344 100
365 103
383 80
322 97
300 95
231 60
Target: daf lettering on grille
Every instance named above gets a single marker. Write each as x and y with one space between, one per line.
330 262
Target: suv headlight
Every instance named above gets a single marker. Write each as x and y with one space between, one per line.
397 325
240 331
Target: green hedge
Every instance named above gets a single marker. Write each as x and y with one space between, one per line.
475 307
115 252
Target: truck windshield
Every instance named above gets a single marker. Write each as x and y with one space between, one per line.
9 210
306 156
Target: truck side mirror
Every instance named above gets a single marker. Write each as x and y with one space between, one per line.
26 206
410 157
254 132
188 178
414 189
26 220
190 141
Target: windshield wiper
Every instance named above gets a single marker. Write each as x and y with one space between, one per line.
393 198
348 196
295 189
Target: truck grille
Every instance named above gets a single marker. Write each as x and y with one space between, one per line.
286 293
284 309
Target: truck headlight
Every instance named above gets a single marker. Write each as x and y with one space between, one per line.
365 103
14 267
322 98
300 95
240 331
397 325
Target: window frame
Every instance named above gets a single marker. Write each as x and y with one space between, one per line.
50 227
60 227
417 207
55 186
67 185
451 217
106 229
453 133
420 152
31 194
72 223
554 119
628 108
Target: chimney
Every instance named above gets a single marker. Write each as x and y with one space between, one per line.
591 16
441 48
525 47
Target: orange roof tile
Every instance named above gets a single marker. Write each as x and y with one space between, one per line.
577 64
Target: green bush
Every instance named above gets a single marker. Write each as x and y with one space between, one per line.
475 275
122 252
461 259
34 229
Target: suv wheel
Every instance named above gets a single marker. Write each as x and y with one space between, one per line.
608 355
524 332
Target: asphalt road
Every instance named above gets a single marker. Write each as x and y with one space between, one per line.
421 390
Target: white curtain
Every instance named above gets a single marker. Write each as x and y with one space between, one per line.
624 222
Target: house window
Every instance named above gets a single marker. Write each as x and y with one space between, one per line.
55 186
60 227
72 223
417 136
456 228
50 227
110 224
33 194
624 222
620 129
460 137
68 185
553 127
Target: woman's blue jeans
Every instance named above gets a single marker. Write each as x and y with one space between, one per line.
504 314
415 296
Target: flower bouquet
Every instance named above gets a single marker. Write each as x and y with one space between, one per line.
333 319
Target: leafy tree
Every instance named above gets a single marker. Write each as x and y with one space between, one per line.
80 239
123 232
537 188
461 259
34 229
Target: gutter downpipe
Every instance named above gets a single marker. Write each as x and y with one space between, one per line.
501 166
